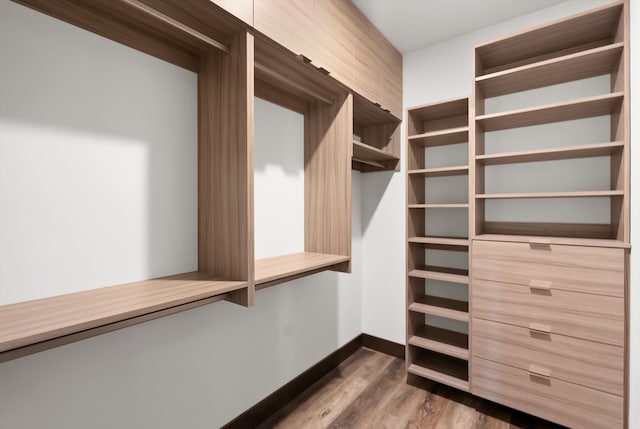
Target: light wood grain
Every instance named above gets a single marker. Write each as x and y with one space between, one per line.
569 152
27 323
580 269
442 241
285 266
440 340
365 152
439 206
556 400
580 315
556 112
441 137
563 240
241 9
572 194
441 307
443 369
459 170
445 274
225 164
595 365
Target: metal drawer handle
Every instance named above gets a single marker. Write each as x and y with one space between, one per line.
539 372
539 328
540 285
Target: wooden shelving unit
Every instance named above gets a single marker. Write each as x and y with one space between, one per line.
435 352
379 132
274 270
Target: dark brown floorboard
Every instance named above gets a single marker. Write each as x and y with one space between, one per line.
370 390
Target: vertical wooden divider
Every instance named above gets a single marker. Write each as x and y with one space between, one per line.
327 178
225 165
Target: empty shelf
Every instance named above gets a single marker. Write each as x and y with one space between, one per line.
569 152
441 137
443 369
576 194
27 323
440 340
438 206
575 109
534 239
443 241
282 267
442 307
366 152
579 65
446 274
460 170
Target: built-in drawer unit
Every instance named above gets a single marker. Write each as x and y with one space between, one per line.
588 363
534 391
592 317
596 270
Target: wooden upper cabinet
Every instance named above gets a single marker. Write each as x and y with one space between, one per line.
241 9
288 22
334 39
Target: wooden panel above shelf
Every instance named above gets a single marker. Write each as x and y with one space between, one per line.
278 269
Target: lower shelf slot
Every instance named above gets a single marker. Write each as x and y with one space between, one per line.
450 343
438 367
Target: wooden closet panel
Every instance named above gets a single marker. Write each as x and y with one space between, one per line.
595 270
288 22
334 39
588 363
241 9
535 393
592 317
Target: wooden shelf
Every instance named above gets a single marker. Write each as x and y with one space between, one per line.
366 113
441 307
459 170
440 340
443 241
580 65
533 239
441 137
441 368
576 194
552 154
557 112
438 206
49 319
287 267
442 109
578 33
372 157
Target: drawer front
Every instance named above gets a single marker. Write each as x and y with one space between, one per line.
559 401
576 268
596 365
591 317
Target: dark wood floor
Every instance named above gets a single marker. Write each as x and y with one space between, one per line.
370 390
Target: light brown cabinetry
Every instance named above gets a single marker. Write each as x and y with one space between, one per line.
241 9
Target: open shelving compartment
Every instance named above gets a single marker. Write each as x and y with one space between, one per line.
376 143
436 346
203 39
327 106
588 46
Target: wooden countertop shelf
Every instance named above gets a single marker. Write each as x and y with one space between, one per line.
576 194
580 65
49 322
459 170
553 154
441 137
271 271
556 112
440 340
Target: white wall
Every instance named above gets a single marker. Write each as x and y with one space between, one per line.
444 71
196 369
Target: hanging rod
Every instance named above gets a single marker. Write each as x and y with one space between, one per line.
291 83
176 24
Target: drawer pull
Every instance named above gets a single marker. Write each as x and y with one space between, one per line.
540 372
539 328
540 285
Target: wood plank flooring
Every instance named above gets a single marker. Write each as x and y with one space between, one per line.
370 390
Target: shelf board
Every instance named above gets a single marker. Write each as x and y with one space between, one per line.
447 274
281 268
438 206
440 340
441 137
34 322
441 307
443 369
580 65
570 241
576 194
459 170
441 109
569 152
441 241
362 151
556 112
366 113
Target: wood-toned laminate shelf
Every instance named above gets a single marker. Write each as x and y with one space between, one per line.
580 65
543 240
440 340
58 318
439 206
441 307
556 112
286 267
443 369
441 137
442 241
576 194
446 274
372 156
552 154
459 170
